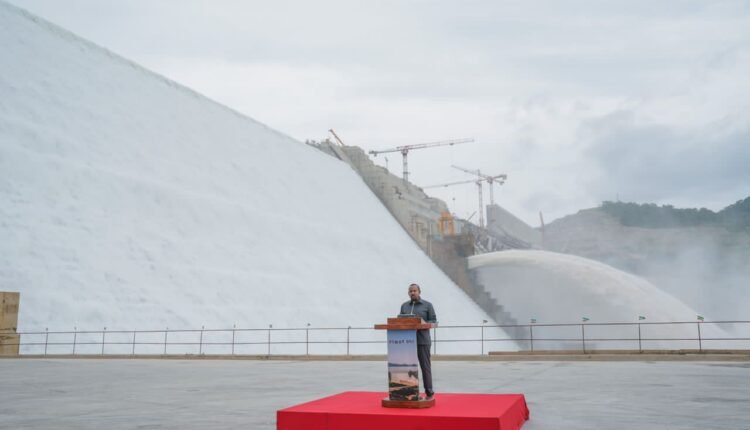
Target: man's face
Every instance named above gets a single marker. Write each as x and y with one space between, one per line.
414 292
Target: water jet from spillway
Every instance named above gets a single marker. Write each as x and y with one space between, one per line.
558 288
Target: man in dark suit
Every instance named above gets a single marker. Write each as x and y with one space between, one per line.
422 308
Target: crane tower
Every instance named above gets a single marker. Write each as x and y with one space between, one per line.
471 181
404 150
491 180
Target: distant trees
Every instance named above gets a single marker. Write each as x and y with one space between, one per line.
736 216
650 215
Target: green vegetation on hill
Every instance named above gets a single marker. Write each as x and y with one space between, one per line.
650 215
736 216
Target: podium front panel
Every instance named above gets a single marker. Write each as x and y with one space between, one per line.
403 365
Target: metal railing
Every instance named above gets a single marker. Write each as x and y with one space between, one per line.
463 339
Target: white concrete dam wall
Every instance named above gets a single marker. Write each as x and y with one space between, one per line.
131 202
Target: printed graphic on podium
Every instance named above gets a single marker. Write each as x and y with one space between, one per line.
403 365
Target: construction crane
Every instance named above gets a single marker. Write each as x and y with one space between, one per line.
491 180
472 181
336 136
404 150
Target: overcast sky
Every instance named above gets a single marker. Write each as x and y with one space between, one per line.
577 101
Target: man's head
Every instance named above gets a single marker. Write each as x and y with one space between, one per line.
414 292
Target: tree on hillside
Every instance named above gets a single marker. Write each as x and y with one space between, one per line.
736 216
653 216
650 215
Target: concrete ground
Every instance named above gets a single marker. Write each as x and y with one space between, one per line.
197 394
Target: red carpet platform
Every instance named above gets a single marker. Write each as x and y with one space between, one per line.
362 411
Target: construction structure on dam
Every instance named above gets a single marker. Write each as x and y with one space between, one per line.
445 238
512 287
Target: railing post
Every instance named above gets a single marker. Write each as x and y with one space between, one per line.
133 352
347 339
75 335
531 337
482 338
700 341
104 332
640 348
200 342
234 326
583 338
307 339
270 326
166 333
46 339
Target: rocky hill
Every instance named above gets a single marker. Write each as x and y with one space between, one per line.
701 257
734 217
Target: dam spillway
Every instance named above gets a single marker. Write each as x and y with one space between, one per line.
549 287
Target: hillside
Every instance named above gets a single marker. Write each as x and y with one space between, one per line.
735 217
703 263
129 201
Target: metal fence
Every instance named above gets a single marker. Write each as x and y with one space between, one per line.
456 339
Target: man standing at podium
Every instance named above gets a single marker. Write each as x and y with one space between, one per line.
423 309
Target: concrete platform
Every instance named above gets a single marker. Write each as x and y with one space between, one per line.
198 394
362 410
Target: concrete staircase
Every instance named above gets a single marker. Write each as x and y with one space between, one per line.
490 305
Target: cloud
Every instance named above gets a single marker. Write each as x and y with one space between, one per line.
577 101
657 163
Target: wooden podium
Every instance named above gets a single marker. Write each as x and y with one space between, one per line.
403 364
